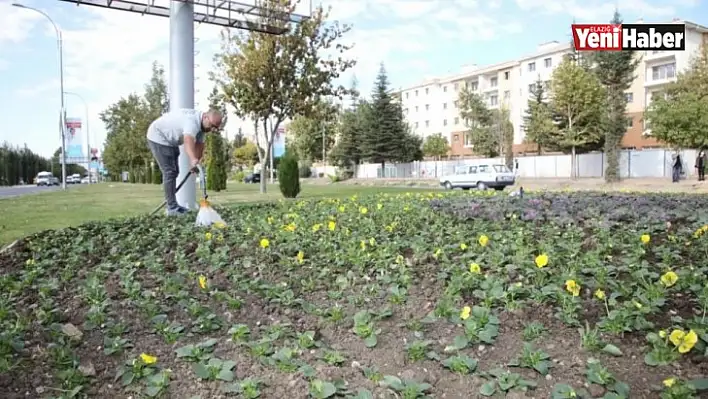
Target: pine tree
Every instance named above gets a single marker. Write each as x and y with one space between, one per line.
538 122
385 137
216 156
615 70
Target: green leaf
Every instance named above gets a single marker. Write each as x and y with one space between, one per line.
612 350
488 388
225 375
370 341
201 371
700 384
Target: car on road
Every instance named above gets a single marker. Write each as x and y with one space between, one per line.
46 179
252 178
481 176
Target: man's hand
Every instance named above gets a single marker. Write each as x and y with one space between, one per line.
193 165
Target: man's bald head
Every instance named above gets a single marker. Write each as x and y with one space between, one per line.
212 120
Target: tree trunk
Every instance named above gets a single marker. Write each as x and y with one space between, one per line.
573 172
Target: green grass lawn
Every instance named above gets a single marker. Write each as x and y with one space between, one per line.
24 215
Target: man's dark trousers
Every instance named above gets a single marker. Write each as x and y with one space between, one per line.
168 160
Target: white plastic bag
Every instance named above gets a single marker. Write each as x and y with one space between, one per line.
207 215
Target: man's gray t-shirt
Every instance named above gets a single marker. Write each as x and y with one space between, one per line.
170 128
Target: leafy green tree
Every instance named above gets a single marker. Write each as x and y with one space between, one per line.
538 121
216 156
436 146
680 117
310 133
504 129
246 155
478 120
578 100
289 175
273 78
20 164
385 136
615 70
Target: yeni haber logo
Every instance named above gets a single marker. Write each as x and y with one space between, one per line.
610 37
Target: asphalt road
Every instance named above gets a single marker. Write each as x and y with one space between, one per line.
16 191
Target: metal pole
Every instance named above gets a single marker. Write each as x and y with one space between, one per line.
88 136
62 124
324 151
182 84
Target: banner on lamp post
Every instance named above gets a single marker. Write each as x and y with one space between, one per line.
279 143
73 143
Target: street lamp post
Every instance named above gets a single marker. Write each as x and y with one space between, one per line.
61 88
88 135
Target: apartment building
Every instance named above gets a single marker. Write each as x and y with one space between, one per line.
431 106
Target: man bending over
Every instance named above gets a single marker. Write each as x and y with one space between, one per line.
167 133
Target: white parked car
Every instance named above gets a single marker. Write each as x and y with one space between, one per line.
482 176
46 179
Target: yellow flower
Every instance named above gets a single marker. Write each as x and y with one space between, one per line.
669 278
342 208
483 240
202 282
475 269
465 313
220 225
316 227
331 225
372 241
290 227
265 243
669 382
683 340
148 359
269 220
207 235
219 238
399 259
662 333
600 294
363 245
541 261
379 206
645 238
300 257
406 208
437 253
463 246
637 304
572 287
363 210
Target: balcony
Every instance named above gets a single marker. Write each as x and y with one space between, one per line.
658 55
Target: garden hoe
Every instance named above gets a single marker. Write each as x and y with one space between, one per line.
206 215
178 187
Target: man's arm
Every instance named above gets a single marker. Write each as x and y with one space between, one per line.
199 149
190 146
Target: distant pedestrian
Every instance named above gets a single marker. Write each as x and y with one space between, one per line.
167 133
701 165
516 167
677 169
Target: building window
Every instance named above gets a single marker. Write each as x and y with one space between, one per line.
427 123
547 85
416 108
455 86
506 75
416 93
457 120
406 110
455 103
444 105
662 72
630 123
507 95
493 100
474 86
493 82
444 89
407 94
468 140
444 122
629 97
532 87
416 124
532 66
426 91
456 138
548 62
427 107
